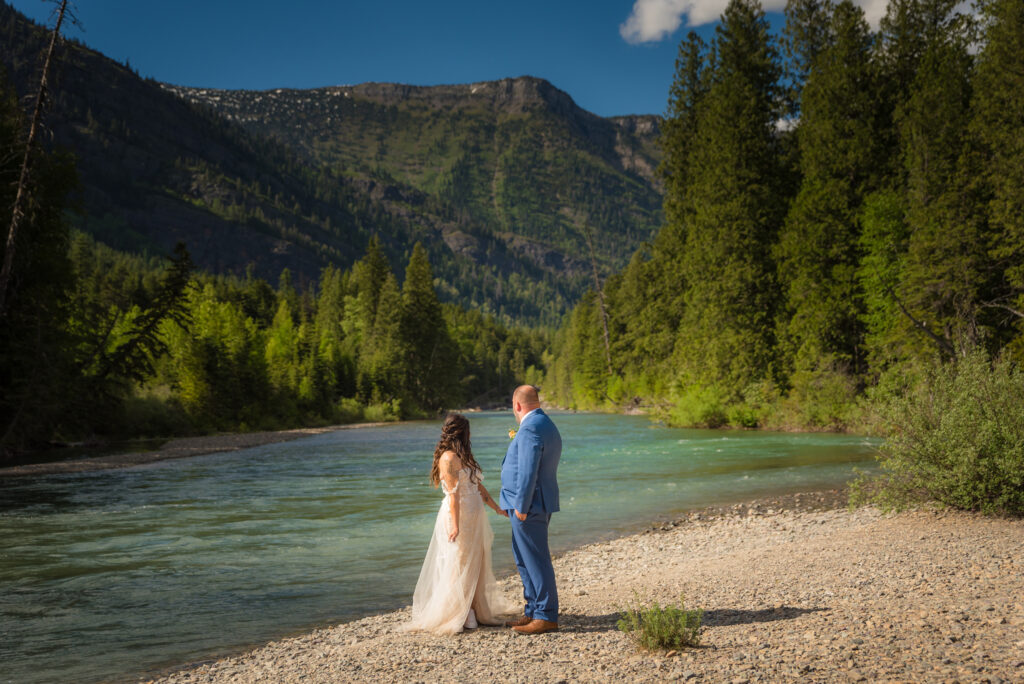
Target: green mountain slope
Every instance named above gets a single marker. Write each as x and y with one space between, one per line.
500 181
513 161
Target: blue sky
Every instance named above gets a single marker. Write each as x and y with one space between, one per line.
612 56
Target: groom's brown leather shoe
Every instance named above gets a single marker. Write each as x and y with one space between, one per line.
537 627
519 621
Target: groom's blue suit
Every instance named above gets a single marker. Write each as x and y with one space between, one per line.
528 485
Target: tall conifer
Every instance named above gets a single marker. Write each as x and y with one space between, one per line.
817 252
431 352
939 287
384 360
725 338
997 134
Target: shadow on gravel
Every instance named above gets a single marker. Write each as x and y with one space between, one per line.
570 622
718 618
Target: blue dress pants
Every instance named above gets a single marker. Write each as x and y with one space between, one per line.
533 558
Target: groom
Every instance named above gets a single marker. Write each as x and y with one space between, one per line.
529 493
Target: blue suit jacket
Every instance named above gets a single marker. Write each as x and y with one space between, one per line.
528 482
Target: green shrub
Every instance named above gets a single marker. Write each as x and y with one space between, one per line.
384 412
956 436
150 412
698 407
654 627
348 410
822 398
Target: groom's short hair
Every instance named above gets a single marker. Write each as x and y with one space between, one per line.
526 395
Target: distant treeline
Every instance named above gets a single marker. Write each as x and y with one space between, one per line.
843 207
118 346
97 342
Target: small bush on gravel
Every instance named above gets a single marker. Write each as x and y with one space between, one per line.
653 627
955 437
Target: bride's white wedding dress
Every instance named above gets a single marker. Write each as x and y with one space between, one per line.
457 576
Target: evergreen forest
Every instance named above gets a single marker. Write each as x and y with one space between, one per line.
844 209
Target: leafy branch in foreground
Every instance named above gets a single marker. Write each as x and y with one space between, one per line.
655 627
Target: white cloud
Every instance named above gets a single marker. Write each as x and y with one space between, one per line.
874 10
654 20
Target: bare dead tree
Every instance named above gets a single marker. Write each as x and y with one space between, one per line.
587 233
21 197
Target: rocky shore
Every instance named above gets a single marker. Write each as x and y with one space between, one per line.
792 588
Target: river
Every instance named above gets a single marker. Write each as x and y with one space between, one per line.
115 574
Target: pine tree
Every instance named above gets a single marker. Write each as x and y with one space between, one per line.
330 347
38 380
905 32
383 364
725 338
431 352
586 353
997 135
883 245
939 287
678 131
817 253
807 32
282 355
368 276
656 283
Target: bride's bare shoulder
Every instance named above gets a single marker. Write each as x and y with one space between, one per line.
449 459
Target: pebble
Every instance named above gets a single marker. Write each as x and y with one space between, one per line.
791 588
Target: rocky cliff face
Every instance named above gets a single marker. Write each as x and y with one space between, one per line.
622 140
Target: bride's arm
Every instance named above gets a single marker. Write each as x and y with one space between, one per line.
449 467
488 500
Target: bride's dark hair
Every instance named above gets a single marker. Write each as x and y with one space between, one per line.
455 438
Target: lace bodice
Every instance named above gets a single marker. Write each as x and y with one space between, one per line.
465 488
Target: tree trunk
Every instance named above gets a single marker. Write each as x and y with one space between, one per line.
21 198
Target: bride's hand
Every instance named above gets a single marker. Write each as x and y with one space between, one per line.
501 512
454 534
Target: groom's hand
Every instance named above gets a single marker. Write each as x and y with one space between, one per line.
521 516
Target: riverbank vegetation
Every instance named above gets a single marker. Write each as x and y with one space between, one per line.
844 223
104 344
956 437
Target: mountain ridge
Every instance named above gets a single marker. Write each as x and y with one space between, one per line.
502 186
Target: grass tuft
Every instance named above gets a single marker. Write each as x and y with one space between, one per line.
654 627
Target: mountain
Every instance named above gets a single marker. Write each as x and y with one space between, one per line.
501 181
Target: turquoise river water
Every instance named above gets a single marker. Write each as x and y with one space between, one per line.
111 575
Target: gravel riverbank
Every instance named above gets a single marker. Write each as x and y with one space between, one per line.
792 588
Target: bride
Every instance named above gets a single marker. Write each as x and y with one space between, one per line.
456 589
